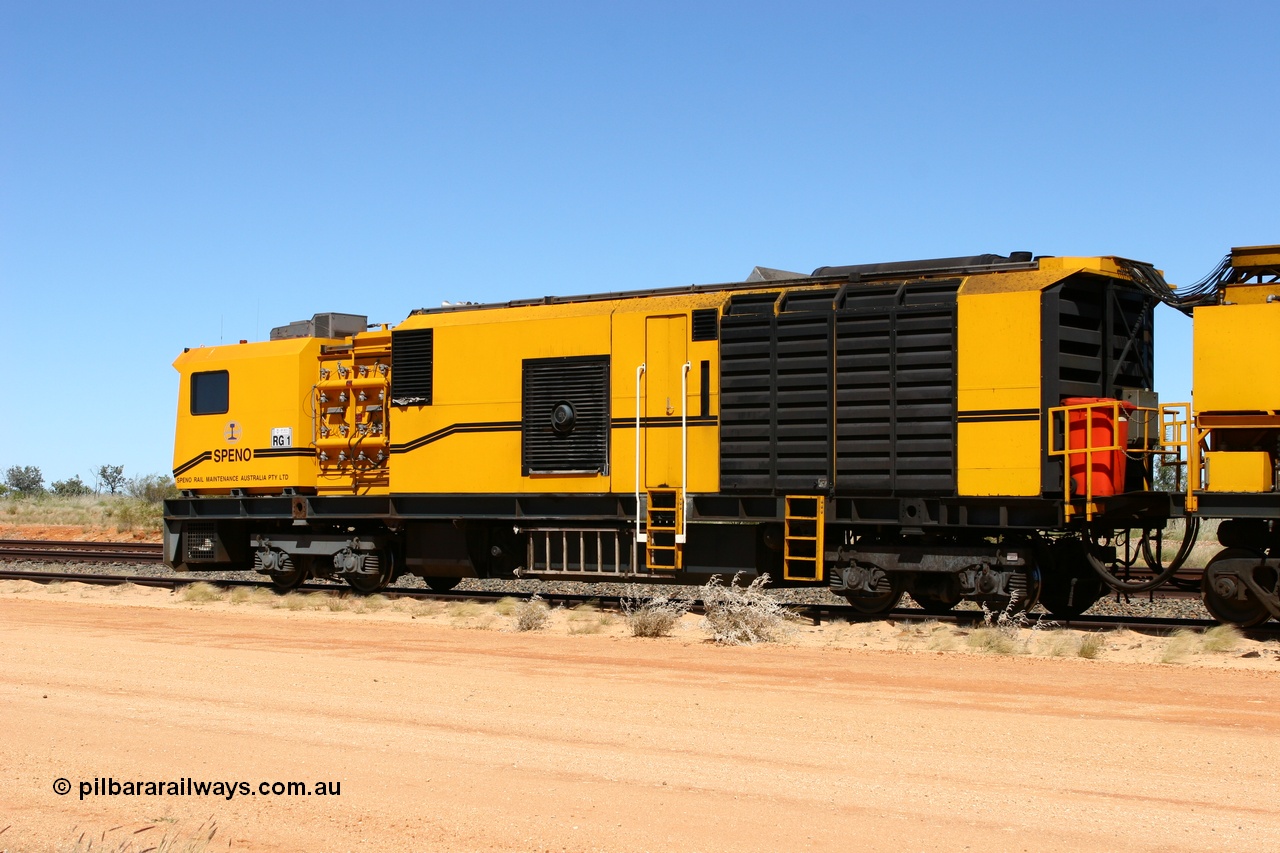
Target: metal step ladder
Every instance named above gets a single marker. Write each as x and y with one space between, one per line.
804 518
663 551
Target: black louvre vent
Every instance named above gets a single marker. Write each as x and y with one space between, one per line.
411 367
565 417
896 388
859 396
706 324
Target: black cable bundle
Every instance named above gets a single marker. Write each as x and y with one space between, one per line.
1203 292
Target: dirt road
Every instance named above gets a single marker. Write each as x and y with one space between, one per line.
450 739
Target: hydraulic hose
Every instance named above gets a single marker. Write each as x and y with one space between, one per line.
1161 577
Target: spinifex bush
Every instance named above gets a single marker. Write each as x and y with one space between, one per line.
652 615
531 615
741 615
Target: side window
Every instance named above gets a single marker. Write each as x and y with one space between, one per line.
210 393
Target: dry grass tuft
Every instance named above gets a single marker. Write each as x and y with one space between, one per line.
147 839
650 614
336 602
1091 645
931 633
465 609
240 595
742 615
506 606
1001 633
201 593
1180 644
995 641
1058 643
372 604
531 615
422 609
292 601
263 595
587 619
55 588
1221 638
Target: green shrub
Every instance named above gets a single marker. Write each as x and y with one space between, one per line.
70 488
151 488
26 480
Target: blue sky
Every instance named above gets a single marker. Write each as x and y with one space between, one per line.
176 174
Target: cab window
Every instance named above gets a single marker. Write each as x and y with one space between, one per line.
210 393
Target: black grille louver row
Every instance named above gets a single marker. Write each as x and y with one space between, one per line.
895 400
706 324
1104 337
870 369
582 382
747 393
412 354
1098 341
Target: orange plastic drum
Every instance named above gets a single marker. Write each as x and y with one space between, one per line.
1097 427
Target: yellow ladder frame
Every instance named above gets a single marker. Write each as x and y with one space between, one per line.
661 538
796 510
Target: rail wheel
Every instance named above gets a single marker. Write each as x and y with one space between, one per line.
1072 587
289 572
441 584
886 597
379 569
1226 598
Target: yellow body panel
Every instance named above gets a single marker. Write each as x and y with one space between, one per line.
1255 257
269 385
1238 471
1236 350
985 462
999 381
1252 293
478 358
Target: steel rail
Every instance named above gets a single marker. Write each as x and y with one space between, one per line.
35 549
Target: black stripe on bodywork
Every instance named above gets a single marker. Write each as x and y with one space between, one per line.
273 452
265 453
444 432
665 421
995 415
191 463
514 426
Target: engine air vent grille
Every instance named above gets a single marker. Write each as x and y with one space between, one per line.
565 417
706 324
201 539
411 367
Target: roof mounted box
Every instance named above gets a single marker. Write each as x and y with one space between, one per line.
327 325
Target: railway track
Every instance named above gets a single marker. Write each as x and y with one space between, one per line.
89 552
817 613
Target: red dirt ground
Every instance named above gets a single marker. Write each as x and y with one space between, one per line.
445 738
